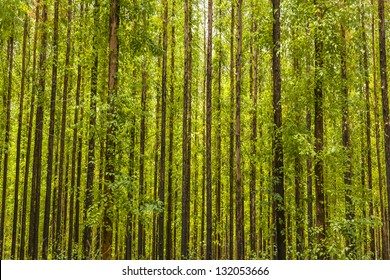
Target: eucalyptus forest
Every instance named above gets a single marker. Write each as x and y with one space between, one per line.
194 129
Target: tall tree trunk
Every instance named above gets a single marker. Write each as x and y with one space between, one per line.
73 186
277 168
252 191
385 243
18 140
10 51
350 243
319 133
385 110
169 253
218 222
29 136
209 81
239 189
58 237
79 93
46 220
37 162
129 218
109 177
231 137
87 234
161 190
155 179
185 144
141 230
368 128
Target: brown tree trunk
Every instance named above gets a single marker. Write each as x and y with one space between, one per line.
49 176
218 222
385 243
87 234
161 190
277 168
209 81
73 190
239 189
169 253
231 137
385 111
10 52
368 129
37 162
29 135
141 231
319 135
18 140
58 237
253 165
185 144
109 177
350 243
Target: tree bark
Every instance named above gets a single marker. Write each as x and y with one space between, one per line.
10 52
368 129
37 162
385 111
319 134
169 253
277 168
161 190
185 143
18 140
239 189
231 137
209 81
110 153
87 234
29 136
350 243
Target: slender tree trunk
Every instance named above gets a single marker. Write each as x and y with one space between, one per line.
58 237
319 134
231 137
385 243
18 140
129 218
161 190
253 87
309 179
385 110
368 128
109 177
37 162
10 52
278 172
155 179
73 168
209 81
87 234
218 227
185 144
51 135
29 136
141 233
350 243
240 241
169 253
309 164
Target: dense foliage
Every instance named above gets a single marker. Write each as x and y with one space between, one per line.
194 129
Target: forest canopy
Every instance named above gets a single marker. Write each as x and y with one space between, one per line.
194 129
